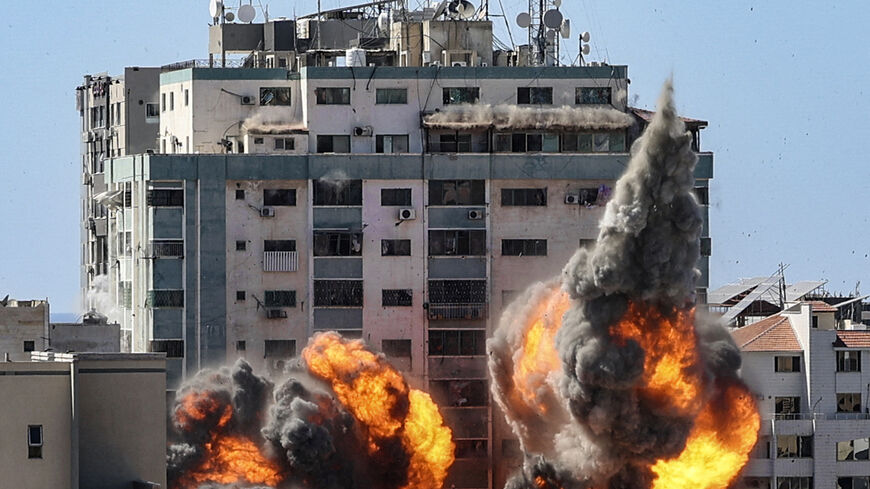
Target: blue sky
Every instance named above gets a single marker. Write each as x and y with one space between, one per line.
781 82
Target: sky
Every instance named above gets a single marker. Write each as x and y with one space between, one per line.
782 84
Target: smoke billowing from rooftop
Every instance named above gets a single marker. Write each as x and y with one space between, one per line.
515 117
607 376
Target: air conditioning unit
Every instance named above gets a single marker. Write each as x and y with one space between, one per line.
407 214
267 212
572 199
247 100
475 215
276 313
362 131
459 63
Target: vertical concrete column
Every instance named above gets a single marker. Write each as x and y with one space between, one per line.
74 425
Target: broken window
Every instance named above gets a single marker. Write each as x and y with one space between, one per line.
524 196
524 247
757 482
458 342
337 243
279 245
787 407
706 246
34 441
279 196
333 144
762 448
459 393
460 95
457 291
391 96
165 197
794 483
787 364
457 192
280 298
29 345
854 482
461 242
535 95
172 348
332 95
849 402
347 293
396 197
395 247
396 348
794 446
285 144
592 95
858 449
454 143
396 297
337 192
848 361
470 448
280 348
587 196
703 195
275 96
396 143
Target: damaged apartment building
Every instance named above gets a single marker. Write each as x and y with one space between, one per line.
381 172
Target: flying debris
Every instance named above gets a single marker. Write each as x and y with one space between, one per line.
608 376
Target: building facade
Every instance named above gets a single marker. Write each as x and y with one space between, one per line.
807 372
23 328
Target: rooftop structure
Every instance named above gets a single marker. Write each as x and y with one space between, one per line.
23 328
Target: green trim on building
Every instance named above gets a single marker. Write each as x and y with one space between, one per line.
463 72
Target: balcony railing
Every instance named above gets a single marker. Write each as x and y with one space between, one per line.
822 416
280 261
167 249
457 311
165 298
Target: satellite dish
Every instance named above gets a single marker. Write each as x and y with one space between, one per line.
584 37
557 3
247 13
439 10
229 16
524 20
466 9
585 49
551 36
553 19
565 30
215 7
453 9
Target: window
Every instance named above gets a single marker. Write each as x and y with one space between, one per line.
454 143
240 194
391 96
397 143
461 95
395 247
535 95
337 243
396 297
279 245
241 345
756 482
163 102
524 247
172 348
815 322
285 144
171 100
165 298
794 483
794 446
706 246
848 361
337 192
396 348
259 140
241 245
280 348
280 298
347 293
470 448
457 291
592 95
787 364
29 345
332 95
613 142
533 142
447 342
34 441
456 192
186 97
396 196
165 197
853 450
703 195
459 393
849 402
240 295
855 482
333 144
762 448
787 407
152 111
275 96
279 196
524 196
460 242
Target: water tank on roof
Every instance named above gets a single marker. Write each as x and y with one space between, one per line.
355 57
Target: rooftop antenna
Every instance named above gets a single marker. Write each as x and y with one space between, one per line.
247 13
546 25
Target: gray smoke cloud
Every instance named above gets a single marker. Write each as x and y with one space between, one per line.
504 116
597 431
273 120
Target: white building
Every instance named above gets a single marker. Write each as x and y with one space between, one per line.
812 382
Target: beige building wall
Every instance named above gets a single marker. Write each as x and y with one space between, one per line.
22 322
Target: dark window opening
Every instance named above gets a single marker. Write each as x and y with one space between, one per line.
240 194
391 143
275 96
34 441
454 143
241 345
535 95
524 196
849 402
396 297
460 342
460 95
285 144
848 361
279 245
787 364
165 298
457 291
592 95
459 393
341 192
396 197
347 293
279 196
395 247
280 298
470 449
524 247
459 242
333 144
788 407
457 192
172 348
396 348
280 348
241 245
337 243
29 345
703 195
240 295
794 446
165 198
391 96
332 95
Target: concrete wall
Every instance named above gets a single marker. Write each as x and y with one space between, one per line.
67 337
22 321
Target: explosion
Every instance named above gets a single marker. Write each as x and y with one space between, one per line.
608 376
344 418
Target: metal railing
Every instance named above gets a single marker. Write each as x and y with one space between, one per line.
457 311
249 62
167 249
817 416
280 261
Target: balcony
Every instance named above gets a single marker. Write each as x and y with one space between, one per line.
457 311
167 248
164 298
280 261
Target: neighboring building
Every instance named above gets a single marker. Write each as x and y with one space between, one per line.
93 334
84 420
23 328
403 199
812 385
